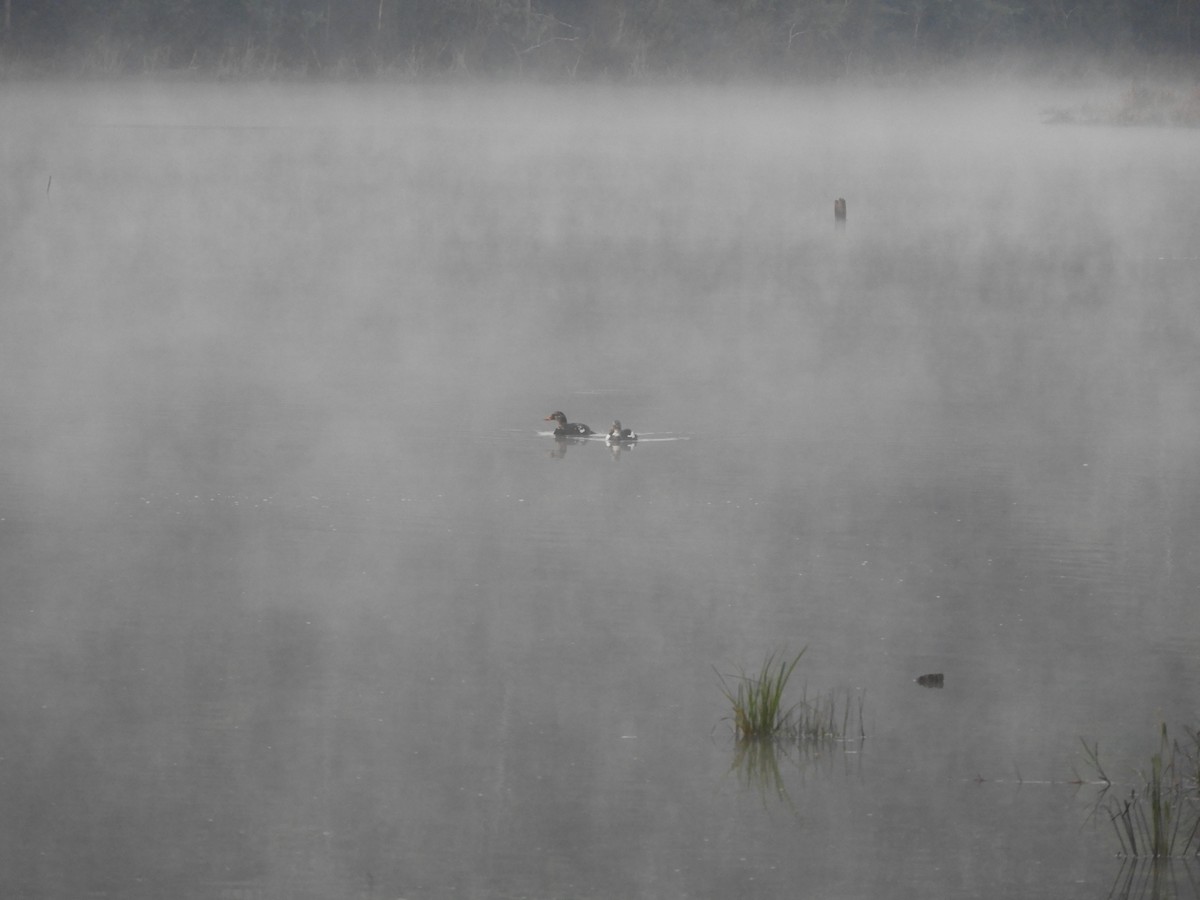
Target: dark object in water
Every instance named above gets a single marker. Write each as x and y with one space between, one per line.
839 210
932 681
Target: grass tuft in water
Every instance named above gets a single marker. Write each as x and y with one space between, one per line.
757 702
758 710
1160 819
823 718
767 731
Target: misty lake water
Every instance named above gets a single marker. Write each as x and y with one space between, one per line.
301 600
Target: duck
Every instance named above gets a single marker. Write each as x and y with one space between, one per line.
563 428
617 434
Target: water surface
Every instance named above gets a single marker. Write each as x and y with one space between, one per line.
300 602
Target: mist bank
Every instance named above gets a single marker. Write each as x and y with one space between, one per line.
585 39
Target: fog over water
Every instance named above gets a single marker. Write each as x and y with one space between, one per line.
301 599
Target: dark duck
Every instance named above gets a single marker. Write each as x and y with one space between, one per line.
563 428
619 435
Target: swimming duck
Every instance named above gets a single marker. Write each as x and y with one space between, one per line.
617 434
563 428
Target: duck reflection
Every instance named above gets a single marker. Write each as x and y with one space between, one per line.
562 443
616 448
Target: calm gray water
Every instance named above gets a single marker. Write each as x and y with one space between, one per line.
300 600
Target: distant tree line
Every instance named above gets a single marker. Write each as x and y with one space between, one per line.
581 38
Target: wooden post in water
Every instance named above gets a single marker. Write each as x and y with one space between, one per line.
839 211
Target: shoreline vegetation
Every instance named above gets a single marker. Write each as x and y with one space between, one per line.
1156 93
602 40
1141 105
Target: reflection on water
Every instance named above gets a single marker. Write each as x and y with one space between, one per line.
616 447
301 601
1150 880
760 766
